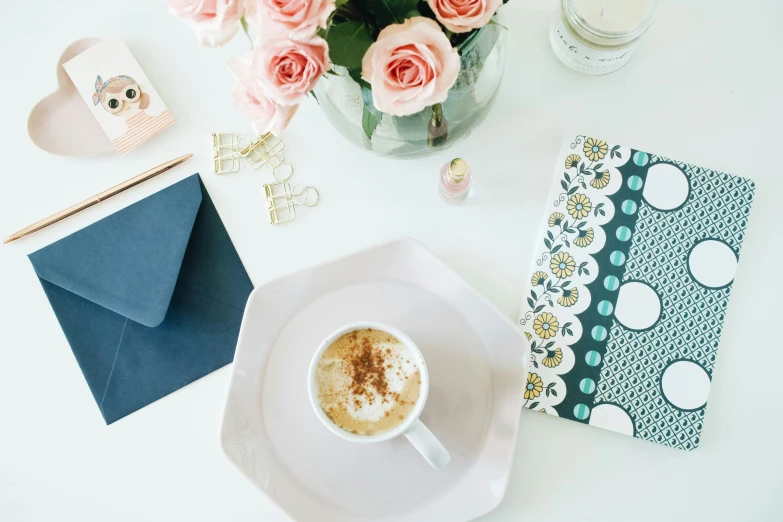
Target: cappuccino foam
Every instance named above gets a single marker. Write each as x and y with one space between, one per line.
367 382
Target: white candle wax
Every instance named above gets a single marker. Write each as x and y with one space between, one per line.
614 15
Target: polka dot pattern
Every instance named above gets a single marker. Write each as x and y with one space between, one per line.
593 358
635 183
605 308
599 333
581 411
617 258
641 158
629 207
623 233
587 385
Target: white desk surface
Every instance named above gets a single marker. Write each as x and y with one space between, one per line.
705 87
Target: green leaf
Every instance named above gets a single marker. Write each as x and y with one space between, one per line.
339 3
387 12
371 116
245 28
369 122
348 42
533 405
531 303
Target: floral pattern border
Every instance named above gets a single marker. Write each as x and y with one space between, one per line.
557 290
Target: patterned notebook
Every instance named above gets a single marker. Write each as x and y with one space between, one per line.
629 288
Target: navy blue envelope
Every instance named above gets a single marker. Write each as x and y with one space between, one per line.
150 298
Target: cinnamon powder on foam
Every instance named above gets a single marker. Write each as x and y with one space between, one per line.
355 370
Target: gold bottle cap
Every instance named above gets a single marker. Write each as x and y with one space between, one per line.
458 168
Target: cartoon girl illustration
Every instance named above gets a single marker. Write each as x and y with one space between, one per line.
122 96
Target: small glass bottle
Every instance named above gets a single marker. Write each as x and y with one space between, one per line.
454 181
599 36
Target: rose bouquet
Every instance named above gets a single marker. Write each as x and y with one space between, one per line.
403 55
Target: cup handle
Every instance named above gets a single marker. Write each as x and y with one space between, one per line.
429 446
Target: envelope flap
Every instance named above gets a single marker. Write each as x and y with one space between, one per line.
129 261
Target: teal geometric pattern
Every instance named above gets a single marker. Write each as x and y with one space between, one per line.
692 315
596 321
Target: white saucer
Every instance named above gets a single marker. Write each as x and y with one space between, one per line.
475 357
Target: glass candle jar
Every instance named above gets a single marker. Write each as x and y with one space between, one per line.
599 36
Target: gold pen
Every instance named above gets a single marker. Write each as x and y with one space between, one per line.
106 194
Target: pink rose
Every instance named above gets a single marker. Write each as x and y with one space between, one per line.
214 21
265 115
461 16
300 16
410 66
288 68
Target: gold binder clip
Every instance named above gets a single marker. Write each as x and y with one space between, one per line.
225 155
281 200
266 151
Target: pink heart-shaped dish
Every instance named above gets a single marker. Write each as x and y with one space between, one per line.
61 123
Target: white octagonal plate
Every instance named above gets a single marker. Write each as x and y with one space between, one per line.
475 357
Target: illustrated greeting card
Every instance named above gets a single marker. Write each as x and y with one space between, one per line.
628 290
119 94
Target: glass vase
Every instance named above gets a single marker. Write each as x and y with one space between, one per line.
432 129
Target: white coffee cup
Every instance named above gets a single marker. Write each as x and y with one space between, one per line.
413 429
